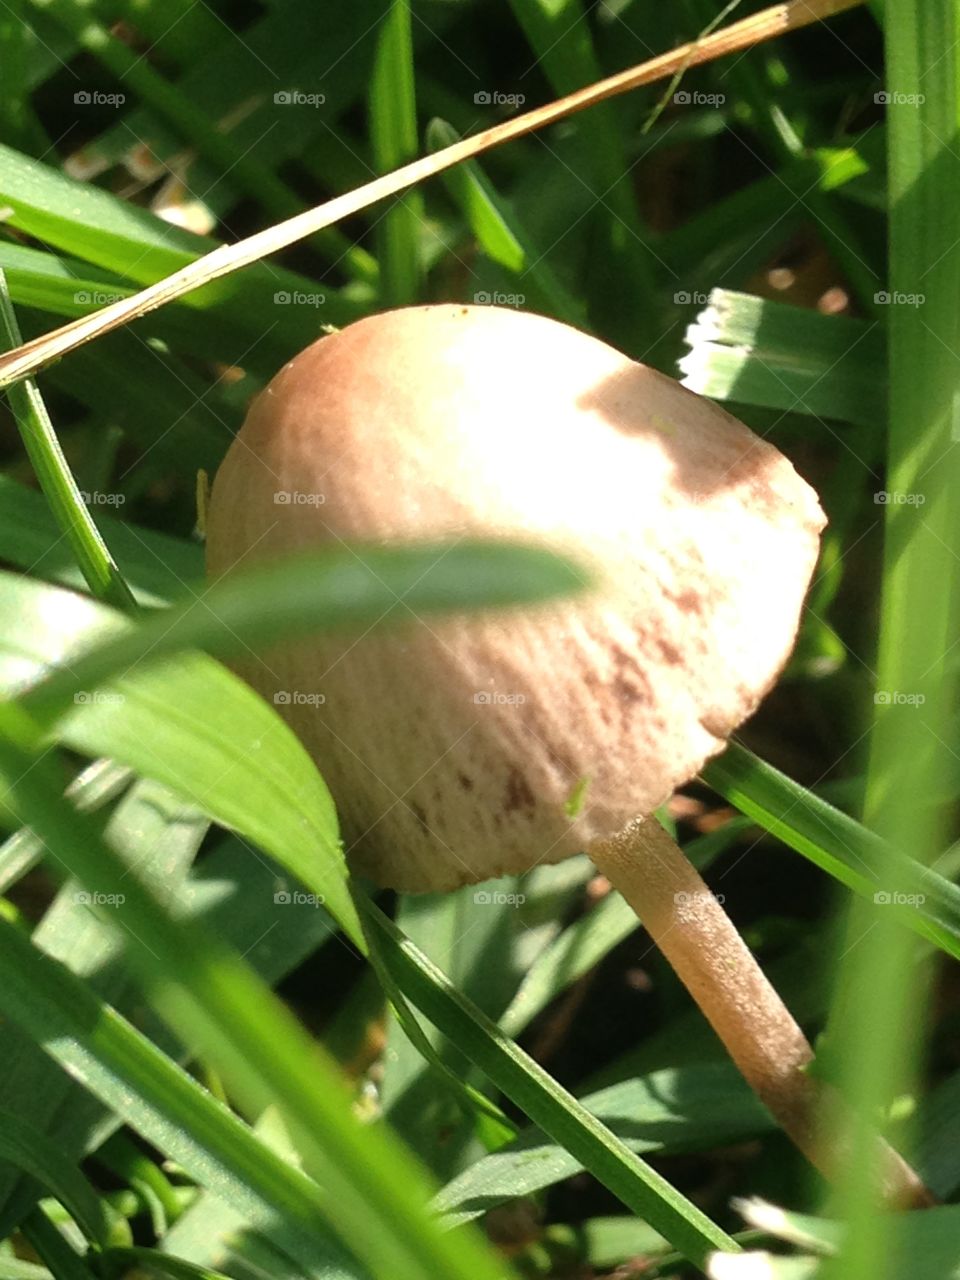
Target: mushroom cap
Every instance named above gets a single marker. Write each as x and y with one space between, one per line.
474 745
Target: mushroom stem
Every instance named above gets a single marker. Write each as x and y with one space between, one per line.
693 931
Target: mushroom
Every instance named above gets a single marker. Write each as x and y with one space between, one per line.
487 744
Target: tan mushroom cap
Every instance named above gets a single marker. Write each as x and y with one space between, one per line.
455 746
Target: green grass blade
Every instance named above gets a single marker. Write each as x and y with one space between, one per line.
672 1110
155 565
194 727
50 1244
879 1011
393 138
257 179
502 236
754 351
55 477
28 1150
93 787
157 1098
839 845
157 834
533 1090
560 39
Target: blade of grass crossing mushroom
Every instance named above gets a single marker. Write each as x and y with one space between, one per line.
765 25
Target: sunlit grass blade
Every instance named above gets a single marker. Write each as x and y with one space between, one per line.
754 351
666 1111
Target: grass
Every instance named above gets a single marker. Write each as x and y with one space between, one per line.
218 1055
